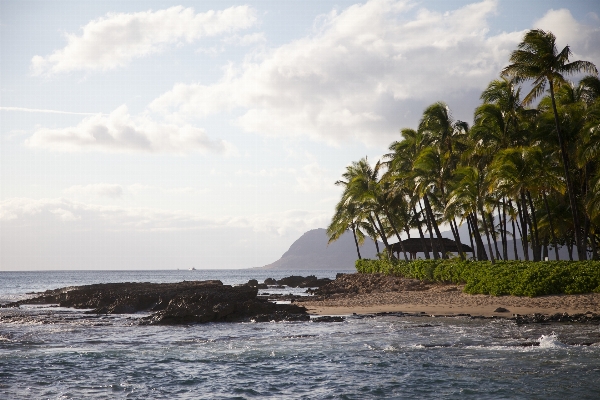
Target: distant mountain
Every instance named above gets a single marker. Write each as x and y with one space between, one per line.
311 251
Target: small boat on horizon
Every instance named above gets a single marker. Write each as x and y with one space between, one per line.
192 269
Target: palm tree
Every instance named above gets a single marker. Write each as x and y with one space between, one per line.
538 59
400 165
346 218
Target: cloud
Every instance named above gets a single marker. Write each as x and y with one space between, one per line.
120 132
247 40
358 77
63 234
99 189
584 40
25 212
114 40
38 110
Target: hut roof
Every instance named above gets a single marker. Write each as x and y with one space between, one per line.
414 245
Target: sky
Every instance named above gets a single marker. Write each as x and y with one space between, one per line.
179 134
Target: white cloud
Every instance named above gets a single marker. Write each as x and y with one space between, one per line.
64 215
120 132
63 234
314 178
247 40
584 40
116 39
23 211
354 78
266 172
98 189
37 110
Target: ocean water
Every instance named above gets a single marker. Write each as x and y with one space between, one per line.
58 353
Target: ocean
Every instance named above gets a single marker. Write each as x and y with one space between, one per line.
48 352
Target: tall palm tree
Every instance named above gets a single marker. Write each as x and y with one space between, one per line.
538 59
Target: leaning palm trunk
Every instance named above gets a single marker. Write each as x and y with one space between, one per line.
471 239
454 228
397 234
435 226
523 232
383 236
423 242
512 220
481 254
372 222
356 241
434 248
487 234
552 234
376 245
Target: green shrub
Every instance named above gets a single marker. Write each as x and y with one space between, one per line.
517 278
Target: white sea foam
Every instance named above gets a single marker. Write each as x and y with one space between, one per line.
550 342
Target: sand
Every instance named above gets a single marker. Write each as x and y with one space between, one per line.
450 300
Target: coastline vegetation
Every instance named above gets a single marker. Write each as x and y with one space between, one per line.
517 278
519 171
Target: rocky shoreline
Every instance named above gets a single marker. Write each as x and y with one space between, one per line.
172 303
377 293
355 294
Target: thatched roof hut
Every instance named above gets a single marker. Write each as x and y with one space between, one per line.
415 245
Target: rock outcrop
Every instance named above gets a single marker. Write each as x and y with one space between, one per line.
173 303
351 284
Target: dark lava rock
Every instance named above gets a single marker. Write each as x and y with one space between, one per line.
270 281
501 309
173 303
303 282
254 283
328 318
592 318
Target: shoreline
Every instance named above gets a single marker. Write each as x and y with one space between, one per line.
450 300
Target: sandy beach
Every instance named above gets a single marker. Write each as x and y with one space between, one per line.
443 299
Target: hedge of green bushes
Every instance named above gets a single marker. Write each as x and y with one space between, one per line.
517 278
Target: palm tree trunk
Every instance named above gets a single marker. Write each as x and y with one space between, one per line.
503 230
356 241
487 234
423 242
514 239
493 232
586 232
581 251
480 246
435 226
372 222
471 239
537 252
434 248
457 238
552 233
570 249
397 234
514 232
523 230
383 237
